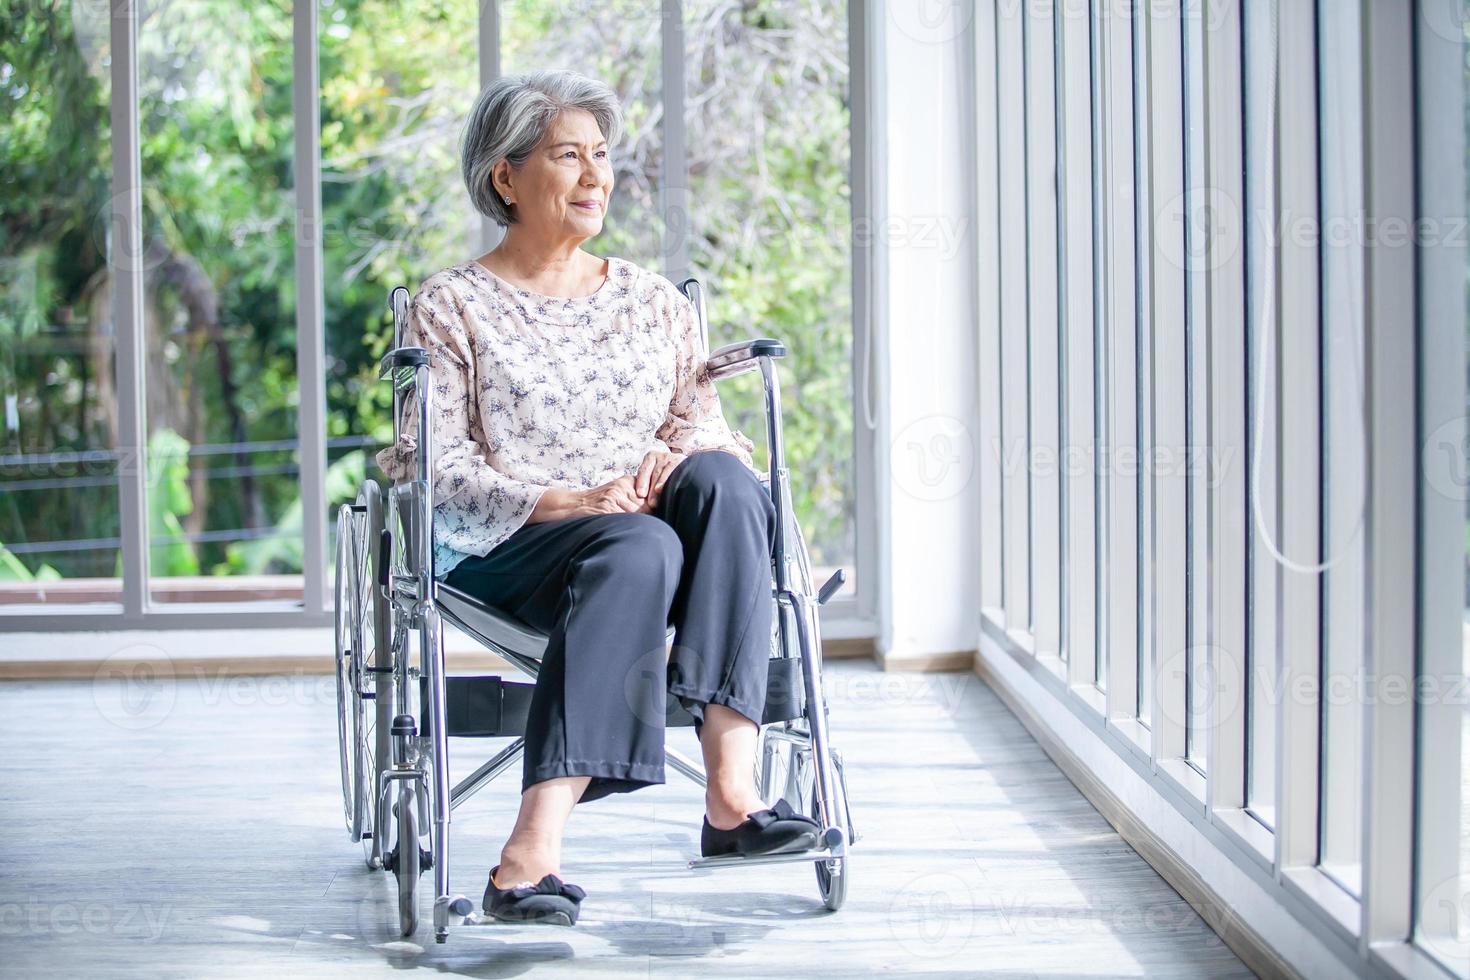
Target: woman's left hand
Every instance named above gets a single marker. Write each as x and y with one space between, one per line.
654 472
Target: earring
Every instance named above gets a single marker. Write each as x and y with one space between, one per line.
506 200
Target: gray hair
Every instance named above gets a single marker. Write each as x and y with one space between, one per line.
511 117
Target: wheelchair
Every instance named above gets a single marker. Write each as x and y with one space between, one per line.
396 711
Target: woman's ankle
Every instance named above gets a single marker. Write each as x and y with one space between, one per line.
725 811
517 865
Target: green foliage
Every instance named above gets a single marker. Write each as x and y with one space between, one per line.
170 552
12 569
281 551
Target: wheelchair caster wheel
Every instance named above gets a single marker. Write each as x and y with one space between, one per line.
832 881
832 874
406 867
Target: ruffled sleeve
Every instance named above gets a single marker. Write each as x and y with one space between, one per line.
695 422
476 505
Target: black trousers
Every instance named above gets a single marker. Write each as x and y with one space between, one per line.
606 587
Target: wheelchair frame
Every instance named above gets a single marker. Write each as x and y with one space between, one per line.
395 781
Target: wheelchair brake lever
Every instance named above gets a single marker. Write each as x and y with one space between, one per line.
385 553
830 587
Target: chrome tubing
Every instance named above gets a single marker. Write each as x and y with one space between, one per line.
780 481
476 780
431 654
698 300
424 502
398 303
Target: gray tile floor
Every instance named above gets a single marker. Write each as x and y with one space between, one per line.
191 827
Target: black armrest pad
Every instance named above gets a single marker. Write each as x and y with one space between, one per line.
400 363
405 357
755 347
742 356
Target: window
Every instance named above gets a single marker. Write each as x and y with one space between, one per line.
261 289
1271 560
60 533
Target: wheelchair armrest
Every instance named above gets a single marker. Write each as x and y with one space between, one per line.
399 358
742 356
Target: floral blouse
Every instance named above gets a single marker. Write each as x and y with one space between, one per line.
533 392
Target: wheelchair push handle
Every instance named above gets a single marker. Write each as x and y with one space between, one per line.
398 303
399 362
408 368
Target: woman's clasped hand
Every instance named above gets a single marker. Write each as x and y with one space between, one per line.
635 494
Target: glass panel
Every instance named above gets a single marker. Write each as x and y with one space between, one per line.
1262 416
1344 497
1442 923
1143 204
769 177
397 81
1101 248
1063 142
219 306
1196 499
1460 889
59 532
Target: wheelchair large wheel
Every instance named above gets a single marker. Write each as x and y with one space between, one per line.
357 614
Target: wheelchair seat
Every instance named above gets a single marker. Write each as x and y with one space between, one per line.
485 622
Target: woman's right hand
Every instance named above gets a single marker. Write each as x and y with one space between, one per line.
615 497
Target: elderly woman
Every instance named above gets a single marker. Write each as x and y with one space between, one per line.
587 483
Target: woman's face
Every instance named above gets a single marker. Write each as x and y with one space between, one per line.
571 164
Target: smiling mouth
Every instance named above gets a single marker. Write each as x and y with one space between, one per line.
590 206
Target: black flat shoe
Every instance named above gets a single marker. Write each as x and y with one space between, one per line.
777 830
551 901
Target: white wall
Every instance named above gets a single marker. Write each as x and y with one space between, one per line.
927 457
